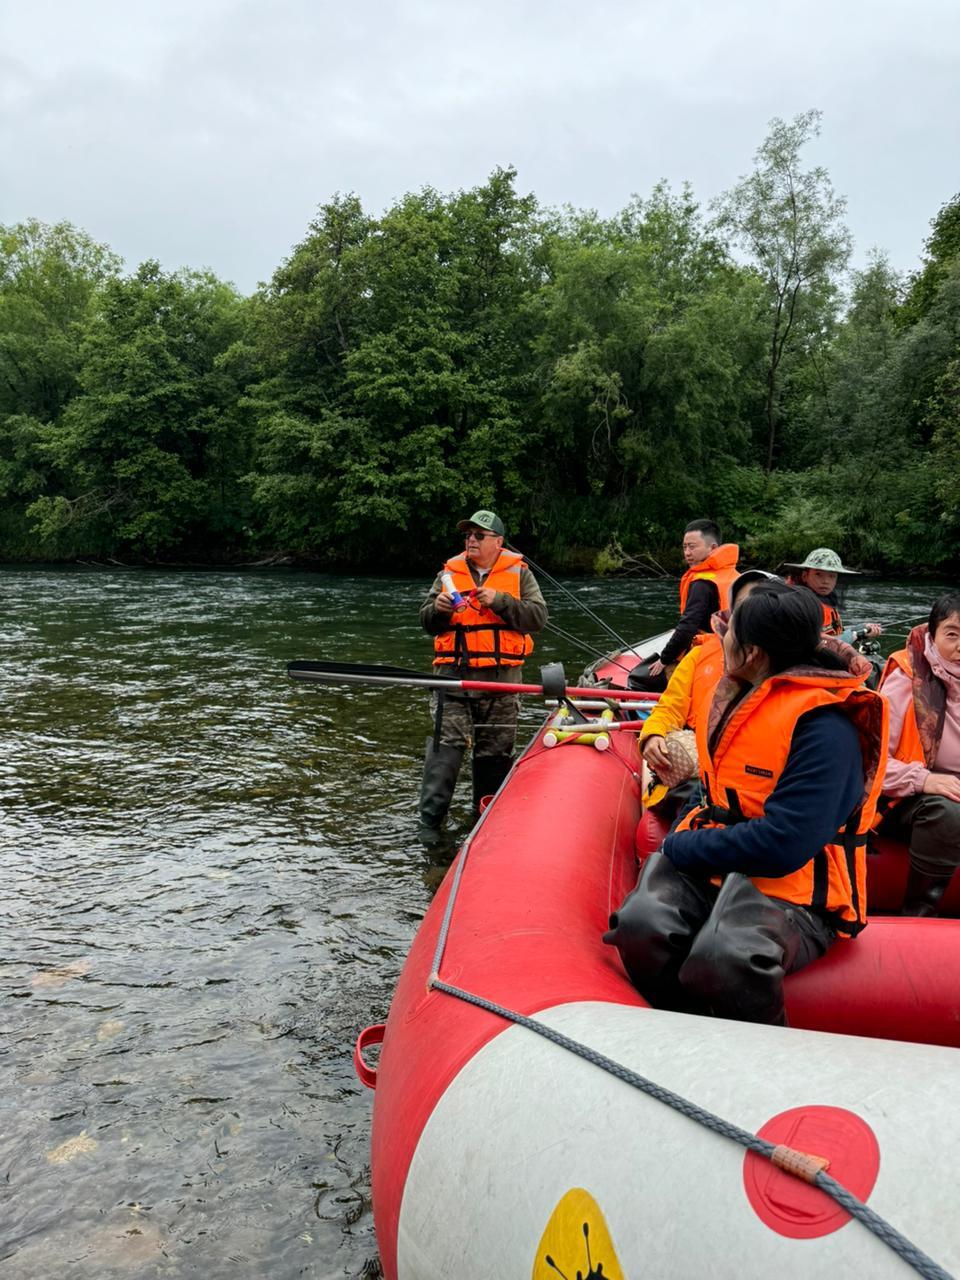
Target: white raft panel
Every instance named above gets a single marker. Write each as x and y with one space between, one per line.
525 1121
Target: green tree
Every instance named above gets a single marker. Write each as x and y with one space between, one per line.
841 395
144 444
49 277
944 416
789 221
943 249
420 400
649 356
919 360
303 325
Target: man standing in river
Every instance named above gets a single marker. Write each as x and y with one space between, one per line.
704 589
482 611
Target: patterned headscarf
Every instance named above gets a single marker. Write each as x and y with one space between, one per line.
929 695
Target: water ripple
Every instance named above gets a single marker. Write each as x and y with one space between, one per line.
208 884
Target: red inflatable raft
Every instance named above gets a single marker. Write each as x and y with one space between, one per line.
497 1152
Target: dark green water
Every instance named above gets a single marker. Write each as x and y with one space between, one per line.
208 883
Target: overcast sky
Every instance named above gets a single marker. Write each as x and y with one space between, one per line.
206 132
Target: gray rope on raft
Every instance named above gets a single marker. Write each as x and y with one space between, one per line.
882 1229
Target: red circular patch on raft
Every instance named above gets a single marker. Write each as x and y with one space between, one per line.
792 1207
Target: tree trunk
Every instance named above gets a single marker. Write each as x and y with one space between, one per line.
771 416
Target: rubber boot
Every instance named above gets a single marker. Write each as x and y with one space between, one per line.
440 770
488 773
739 959
654 929
923 893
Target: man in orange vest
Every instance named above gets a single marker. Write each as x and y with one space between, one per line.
483 609
704 589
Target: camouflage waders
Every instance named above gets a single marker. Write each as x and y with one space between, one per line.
489 726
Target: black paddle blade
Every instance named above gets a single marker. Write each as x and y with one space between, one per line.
361 673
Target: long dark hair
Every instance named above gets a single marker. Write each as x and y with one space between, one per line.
785 622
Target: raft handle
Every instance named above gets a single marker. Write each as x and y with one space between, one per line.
368 1036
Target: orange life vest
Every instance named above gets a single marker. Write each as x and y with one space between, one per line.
478 637
719 567
707 672
832 625
909 749
703 670
748 759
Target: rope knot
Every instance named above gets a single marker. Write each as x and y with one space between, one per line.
799 1163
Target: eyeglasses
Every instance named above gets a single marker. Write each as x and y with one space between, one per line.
475 536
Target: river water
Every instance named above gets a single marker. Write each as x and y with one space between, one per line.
208 884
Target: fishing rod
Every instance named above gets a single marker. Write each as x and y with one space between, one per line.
579 603
911 622
554 682
588 648
890 628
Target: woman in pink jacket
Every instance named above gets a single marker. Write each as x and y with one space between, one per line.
921 784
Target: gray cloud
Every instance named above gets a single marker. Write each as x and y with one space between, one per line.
206 134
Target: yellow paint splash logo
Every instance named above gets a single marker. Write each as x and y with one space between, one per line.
576 1244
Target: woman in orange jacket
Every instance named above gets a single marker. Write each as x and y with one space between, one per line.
688 694
691 688
761 878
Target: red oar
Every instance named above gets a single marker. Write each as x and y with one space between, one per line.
361 673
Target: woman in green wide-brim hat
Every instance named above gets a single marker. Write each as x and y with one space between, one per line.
819 573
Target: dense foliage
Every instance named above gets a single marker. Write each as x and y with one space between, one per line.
599 381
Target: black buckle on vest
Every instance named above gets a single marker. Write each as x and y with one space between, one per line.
719 815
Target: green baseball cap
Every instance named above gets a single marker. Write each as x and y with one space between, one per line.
484 520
